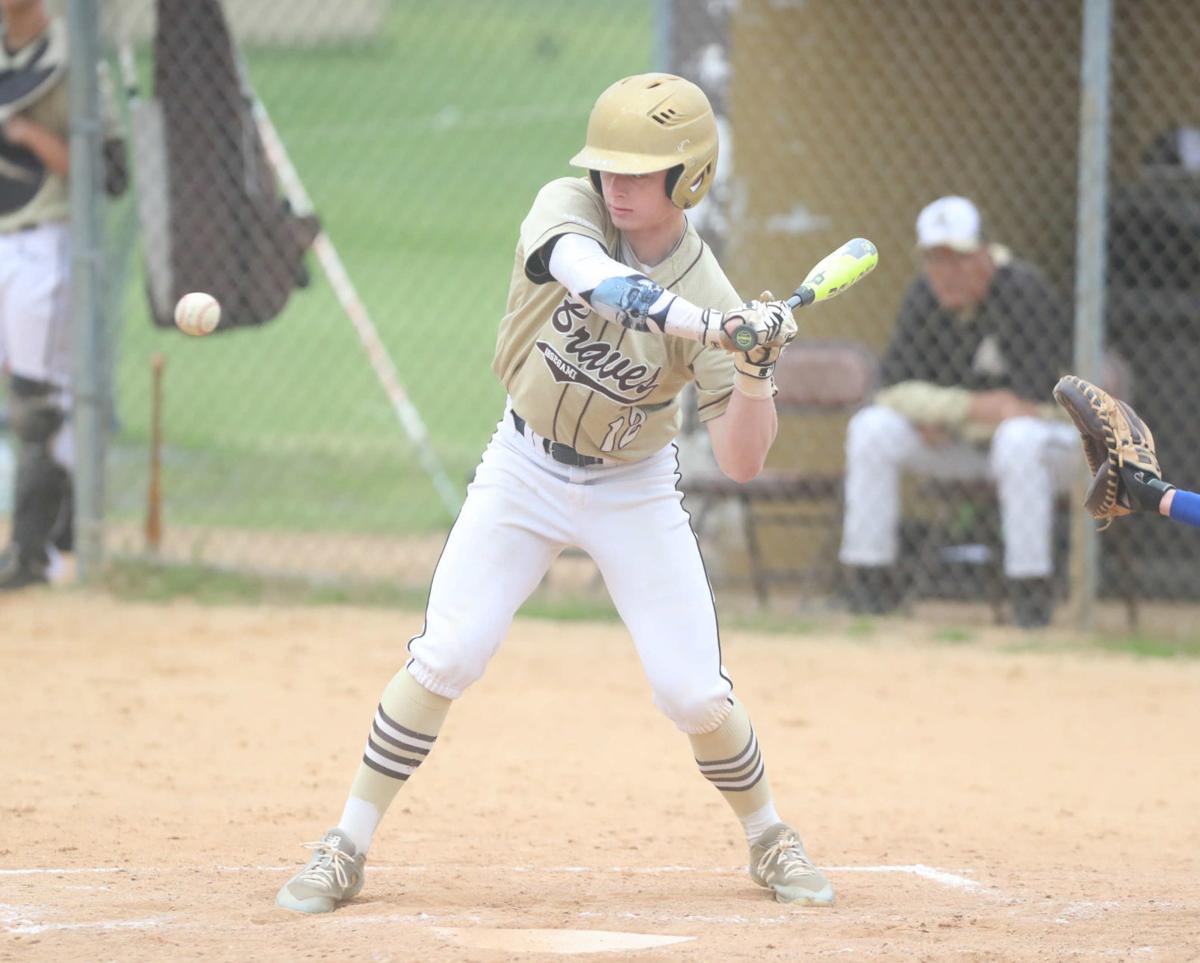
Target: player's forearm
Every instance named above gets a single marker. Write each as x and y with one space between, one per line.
743 435
1181 506
618 293
52 150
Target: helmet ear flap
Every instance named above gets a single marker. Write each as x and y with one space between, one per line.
673 176
672 179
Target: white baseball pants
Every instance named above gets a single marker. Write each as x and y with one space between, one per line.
522 509
35 313
1030 460
35 303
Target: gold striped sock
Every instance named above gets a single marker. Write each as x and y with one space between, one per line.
730 759
403 732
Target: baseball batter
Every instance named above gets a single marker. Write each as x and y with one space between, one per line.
34 278
615 305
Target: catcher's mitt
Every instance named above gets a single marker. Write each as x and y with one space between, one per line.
1119 448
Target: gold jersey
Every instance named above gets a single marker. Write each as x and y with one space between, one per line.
605 390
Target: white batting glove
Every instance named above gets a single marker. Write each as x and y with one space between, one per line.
771 321
754 374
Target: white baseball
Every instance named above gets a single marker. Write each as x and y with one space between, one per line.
197 313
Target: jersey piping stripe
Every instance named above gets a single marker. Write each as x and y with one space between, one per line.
557 408
587 401
699 254
578 424
716 401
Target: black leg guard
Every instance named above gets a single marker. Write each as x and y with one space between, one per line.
42 487
62 535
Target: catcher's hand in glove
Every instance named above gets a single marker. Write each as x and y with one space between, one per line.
771 321
1119 449
755 369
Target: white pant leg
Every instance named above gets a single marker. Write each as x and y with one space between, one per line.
35 306
635 528
510 529
880 445
1031 461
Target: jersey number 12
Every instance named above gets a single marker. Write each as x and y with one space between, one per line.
622 431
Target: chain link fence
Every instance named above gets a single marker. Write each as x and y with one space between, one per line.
420 133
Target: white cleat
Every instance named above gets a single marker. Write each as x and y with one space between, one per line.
334 875
779 863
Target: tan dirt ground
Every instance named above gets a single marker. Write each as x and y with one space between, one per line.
160 765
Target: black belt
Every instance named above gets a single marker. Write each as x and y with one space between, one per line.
563 454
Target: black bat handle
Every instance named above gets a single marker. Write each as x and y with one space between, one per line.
746 338
804 295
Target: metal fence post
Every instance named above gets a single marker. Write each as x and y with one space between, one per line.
1090 267
83 26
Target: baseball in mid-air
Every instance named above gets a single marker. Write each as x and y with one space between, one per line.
197 313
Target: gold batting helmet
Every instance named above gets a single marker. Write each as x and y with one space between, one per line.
654 122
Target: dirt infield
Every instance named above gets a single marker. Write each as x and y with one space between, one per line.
161 764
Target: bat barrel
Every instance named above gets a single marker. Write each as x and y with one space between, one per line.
829 277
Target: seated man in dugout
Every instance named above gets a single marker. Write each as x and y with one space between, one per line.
980 340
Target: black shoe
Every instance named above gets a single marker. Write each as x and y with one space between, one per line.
872 589
1032 601
16 573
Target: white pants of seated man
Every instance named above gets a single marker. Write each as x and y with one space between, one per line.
1030 461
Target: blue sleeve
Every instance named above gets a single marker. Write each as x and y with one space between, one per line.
1185 507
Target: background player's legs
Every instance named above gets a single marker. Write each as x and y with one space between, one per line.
1031 460
35 321
42 485
880 445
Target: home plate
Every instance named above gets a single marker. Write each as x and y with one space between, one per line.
554 941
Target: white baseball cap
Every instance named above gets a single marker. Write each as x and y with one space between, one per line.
951 222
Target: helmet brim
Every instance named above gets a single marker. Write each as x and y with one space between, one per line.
620 162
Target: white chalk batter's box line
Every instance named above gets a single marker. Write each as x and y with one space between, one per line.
22 921
931 873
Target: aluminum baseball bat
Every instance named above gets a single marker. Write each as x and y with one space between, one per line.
828 278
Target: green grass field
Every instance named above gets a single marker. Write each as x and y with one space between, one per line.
422 152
